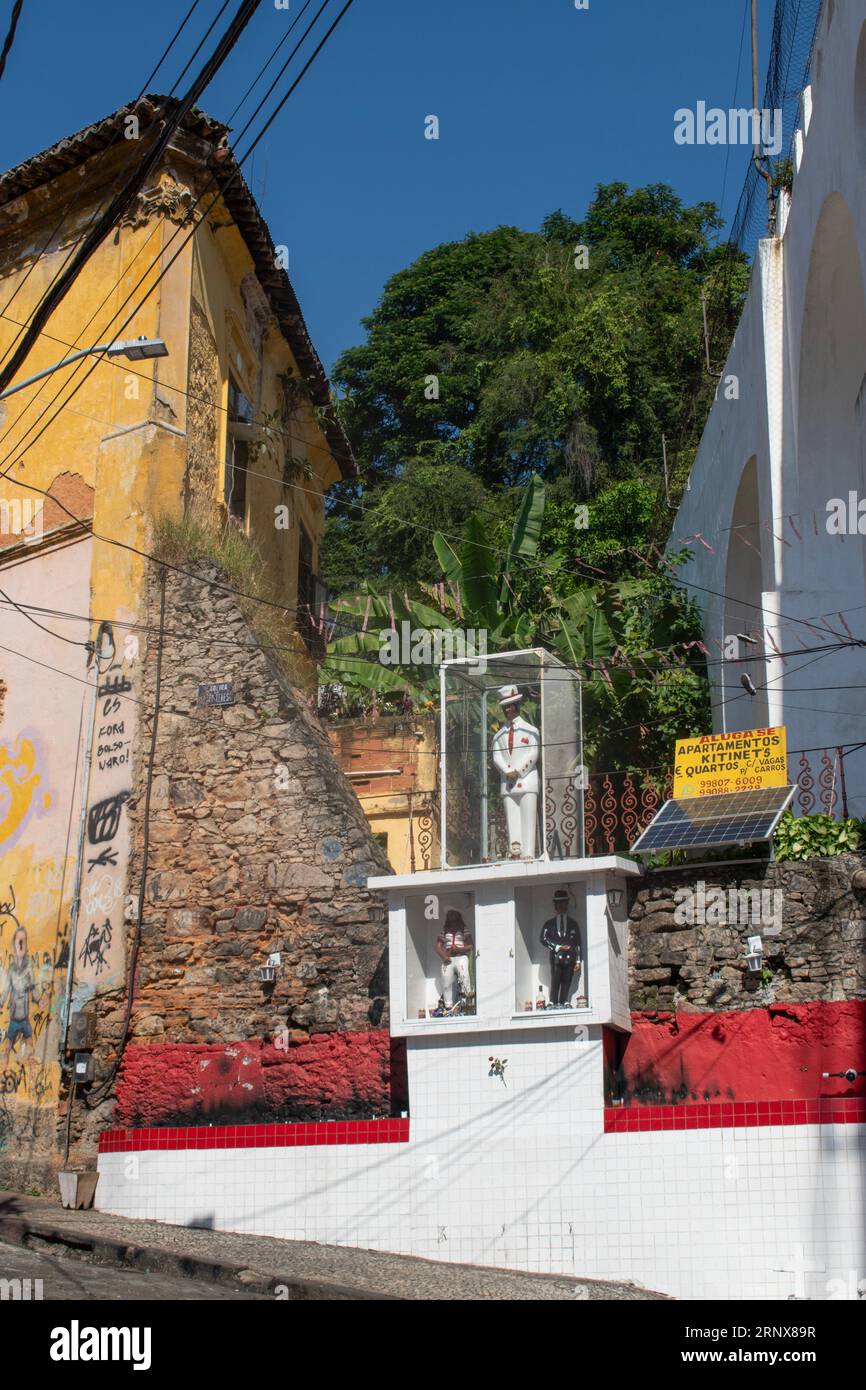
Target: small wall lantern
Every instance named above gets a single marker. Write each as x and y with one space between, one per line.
266 974
754 954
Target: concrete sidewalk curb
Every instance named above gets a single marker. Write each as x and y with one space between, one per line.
98 1249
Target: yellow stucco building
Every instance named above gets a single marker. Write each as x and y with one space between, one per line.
392 764
232 428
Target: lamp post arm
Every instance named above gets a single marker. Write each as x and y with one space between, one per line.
75 357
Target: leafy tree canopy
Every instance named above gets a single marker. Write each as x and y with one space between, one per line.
635 641
526 379
541 363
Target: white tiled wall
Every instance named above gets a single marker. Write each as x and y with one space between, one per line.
521 1174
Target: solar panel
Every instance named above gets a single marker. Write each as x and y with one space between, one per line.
732 819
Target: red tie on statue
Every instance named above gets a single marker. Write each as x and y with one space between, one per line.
510 739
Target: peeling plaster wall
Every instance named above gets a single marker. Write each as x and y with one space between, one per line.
125 453
40 796
205 389
232 318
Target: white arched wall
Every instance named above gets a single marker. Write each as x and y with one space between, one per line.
799 355
744 585
830 401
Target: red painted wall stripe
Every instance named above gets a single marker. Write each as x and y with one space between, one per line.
766 1054
620 1119
113 1141
330 1075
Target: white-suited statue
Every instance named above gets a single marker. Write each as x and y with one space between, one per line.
516 749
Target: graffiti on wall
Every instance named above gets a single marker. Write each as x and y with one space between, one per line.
99 947
26 999
25 1009
20 778
41 791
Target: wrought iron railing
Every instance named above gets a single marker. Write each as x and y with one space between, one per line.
819 775
617 806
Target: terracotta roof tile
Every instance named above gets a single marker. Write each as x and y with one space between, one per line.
73 150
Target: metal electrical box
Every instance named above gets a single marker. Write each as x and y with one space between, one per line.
82 1032
83 1067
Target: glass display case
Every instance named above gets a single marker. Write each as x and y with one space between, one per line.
551 958
512 772
441 963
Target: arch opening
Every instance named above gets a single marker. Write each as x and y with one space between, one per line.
744 626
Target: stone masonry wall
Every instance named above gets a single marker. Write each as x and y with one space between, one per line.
815 951
257 844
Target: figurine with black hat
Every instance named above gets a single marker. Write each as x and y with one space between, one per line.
561 936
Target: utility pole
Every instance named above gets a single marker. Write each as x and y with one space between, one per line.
755 65
665 471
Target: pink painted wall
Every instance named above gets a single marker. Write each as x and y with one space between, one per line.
43 692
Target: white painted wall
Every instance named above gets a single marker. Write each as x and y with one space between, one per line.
800 359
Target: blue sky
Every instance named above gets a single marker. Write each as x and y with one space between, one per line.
537 102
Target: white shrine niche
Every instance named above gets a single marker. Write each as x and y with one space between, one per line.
510 729
433 988
501 911
533 960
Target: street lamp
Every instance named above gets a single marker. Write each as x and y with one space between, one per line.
136 350
754 954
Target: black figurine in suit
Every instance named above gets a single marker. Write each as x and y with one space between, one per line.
561 936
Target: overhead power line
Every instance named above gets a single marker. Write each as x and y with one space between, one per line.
10 37
171 43
356 504
201 43
128 192
67 212
220 192
361 507
272 117
642 724
615 663
256 80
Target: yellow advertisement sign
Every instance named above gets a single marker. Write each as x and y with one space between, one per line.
738 762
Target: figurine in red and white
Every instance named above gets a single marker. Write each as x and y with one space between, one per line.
516 749
454 947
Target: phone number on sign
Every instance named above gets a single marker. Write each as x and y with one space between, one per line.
719 786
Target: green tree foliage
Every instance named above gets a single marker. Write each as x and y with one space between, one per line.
386 535
515 361
542 366
636 702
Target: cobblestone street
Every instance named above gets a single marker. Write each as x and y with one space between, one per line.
262 1265
66 1280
